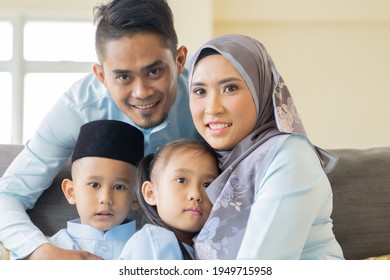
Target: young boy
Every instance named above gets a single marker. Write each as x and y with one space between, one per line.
103 165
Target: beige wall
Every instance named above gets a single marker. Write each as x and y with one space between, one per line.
334 55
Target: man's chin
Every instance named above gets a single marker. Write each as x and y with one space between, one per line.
148 121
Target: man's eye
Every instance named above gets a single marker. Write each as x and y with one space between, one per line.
123 78
155 73
94 185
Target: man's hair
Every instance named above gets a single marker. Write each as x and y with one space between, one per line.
121 18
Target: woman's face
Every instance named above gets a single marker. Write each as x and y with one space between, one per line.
221 104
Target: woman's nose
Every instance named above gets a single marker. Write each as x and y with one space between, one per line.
213 105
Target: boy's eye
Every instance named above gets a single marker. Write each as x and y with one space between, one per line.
119 187
94 185
181 180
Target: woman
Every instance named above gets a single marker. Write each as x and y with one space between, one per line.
273 199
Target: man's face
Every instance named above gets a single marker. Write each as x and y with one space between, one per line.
141 75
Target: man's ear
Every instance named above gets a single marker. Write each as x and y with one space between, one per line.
68 190
99 72
181 55
149 193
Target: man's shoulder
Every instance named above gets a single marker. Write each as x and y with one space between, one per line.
87 90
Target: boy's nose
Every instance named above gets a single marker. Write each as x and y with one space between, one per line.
105 198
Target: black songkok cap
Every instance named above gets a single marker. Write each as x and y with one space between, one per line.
110 139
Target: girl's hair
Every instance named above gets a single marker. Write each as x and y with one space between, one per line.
147 169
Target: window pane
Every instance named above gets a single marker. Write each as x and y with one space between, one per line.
57 41
6 40
42 90
5 107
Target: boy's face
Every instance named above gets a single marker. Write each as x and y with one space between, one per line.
141 75
101 190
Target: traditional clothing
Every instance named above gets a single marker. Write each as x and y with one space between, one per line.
269 202
154 243
106 244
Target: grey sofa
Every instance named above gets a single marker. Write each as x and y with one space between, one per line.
361 190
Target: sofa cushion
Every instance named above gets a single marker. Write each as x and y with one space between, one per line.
361 199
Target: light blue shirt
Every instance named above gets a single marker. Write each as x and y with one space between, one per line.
290 217
50 147
154 243
107 245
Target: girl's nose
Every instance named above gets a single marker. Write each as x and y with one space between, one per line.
195 195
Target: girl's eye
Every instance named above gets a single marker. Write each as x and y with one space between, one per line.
181 180
94 185
206 184
119 187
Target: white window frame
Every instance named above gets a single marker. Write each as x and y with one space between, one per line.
19 67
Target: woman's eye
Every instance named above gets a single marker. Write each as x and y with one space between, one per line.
198 91
230 88
94 185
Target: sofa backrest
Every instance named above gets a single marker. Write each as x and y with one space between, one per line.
361 201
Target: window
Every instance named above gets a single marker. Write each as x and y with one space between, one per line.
6 44
5 81
59 41
5 107
47 58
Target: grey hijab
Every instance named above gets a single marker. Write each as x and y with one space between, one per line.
232 193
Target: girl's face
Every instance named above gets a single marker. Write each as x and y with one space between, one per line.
221 104
178 191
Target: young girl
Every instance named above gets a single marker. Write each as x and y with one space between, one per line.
171 192
273 199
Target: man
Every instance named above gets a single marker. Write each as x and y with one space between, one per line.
140 79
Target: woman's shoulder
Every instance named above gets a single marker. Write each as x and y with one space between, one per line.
297 141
